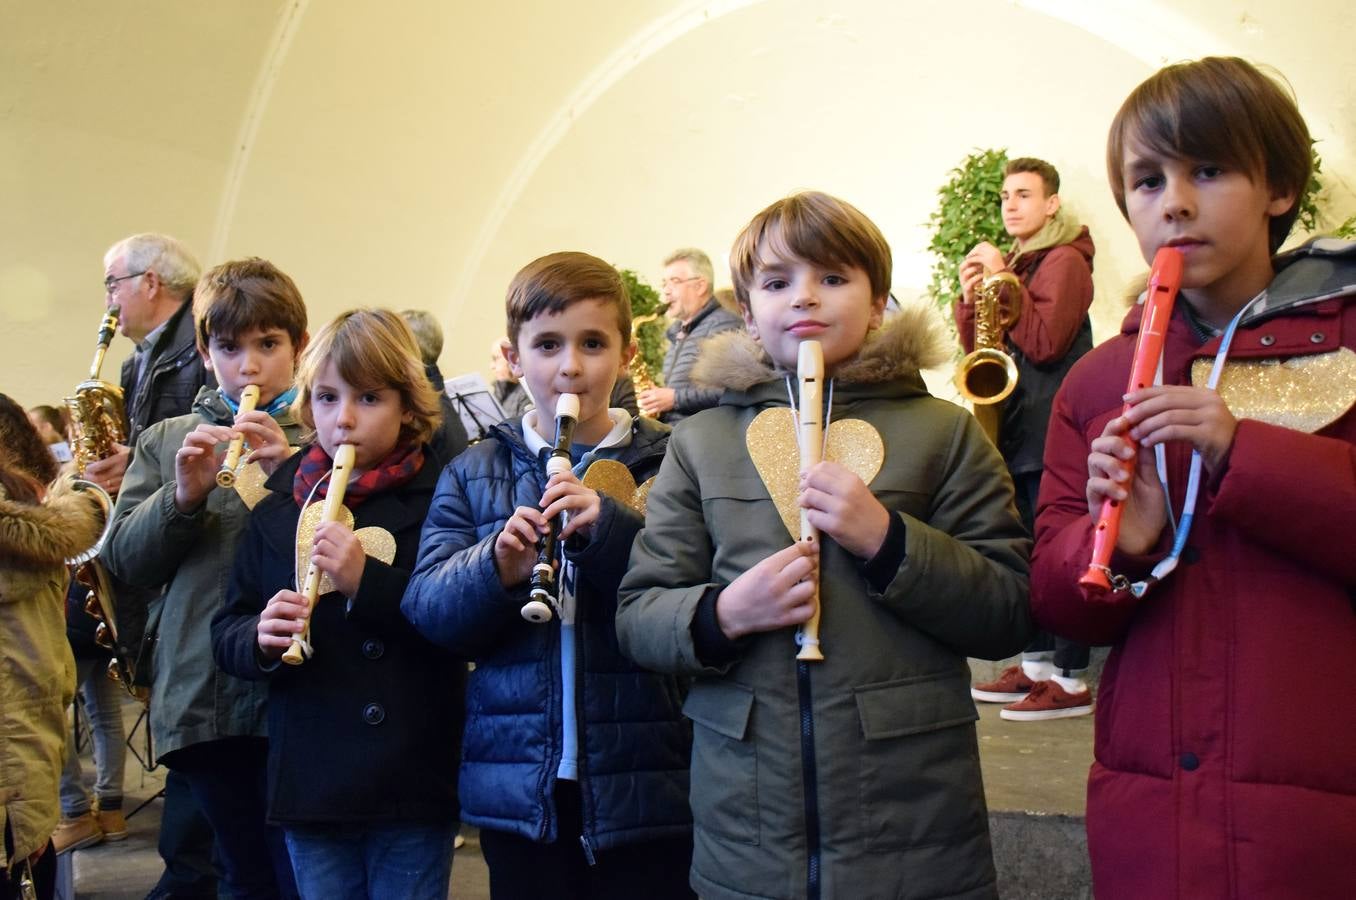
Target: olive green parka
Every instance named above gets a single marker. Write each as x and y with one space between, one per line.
857 776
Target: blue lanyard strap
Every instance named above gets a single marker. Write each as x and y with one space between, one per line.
1182 525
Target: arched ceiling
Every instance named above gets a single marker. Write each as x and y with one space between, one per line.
416 154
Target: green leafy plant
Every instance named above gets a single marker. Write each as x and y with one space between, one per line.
968 211
1347 230
650 336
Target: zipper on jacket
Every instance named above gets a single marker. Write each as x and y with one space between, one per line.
810 776
586 820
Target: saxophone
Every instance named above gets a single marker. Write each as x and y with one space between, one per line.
987 375
639 371
97 424
97 412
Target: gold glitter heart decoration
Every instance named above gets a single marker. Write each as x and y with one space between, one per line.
1305 393
608 476
377 542
249 482
852 443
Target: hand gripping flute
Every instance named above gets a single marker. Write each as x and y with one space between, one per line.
810 372
1164 280
334 502
543 591
249 399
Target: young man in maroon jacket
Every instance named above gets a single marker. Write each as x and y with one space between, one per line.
1051 255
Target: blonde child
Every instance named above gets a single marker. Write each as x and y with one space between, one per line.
362 734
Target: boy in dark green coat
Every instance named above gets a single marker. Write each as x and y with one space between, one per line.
857 775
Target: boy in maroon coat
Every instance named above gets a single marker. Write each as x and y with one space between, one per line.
1224 733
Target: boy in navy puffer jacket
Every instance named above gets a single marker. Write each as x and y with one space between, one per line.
575 760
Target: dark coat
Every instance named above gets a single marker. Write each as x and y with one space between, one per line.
450 438
368 729
863 768
174 373
1225 728
633 741
684 348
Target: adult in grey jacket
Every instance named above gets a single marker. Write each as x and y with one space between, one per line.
687 289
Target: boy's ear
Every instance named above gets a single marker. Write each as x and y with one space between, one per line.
749 325
206 359
511 357
628 353
877 313
1281 204
1052 204
301 345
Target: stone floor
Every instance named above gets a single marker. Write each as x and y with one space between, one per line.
1034 778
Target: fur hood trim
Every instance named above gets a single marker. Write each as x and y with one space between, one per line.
65 524
910 340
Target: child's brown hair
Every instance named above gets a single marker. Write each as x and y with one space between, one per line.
371 349
1222 110
553 282
816 227
242 294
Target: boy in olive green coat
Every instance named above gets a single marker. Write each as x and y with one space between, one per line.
857 775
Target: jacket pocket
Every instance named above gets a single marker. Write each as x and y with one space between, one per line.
724 790
918 777
906 487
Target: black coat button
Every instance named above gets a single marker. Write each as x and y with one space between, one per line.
373 648
373 714
1190 762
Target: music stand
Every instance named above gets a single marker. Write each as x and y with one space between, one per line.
475 405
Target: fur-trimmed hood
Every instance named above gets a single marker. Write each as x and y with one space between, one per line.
910 340
65 524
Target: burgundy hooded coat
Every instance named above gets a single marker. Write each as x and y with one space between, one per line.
1225 738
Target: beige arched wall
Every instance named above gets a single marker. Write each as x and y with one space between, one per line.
417 154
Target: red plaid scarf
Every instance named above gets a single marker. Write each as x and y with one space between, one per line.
399 466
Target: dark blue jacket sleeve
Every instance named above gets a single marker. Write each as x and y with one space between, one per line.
454 597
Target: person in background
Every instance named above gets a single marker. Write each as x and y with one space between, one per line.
450 438
687 290
150 277
52 425
505 386
1051 256
40 527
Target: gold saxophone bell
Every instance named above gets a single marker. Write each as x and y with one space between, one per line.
97 412
988 375
639 370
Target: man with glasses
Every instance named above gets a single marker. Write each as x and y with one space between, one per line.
151 277
688 292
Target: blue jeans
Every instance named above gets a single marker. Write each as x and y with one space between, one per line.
339 862
227 778
102 699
